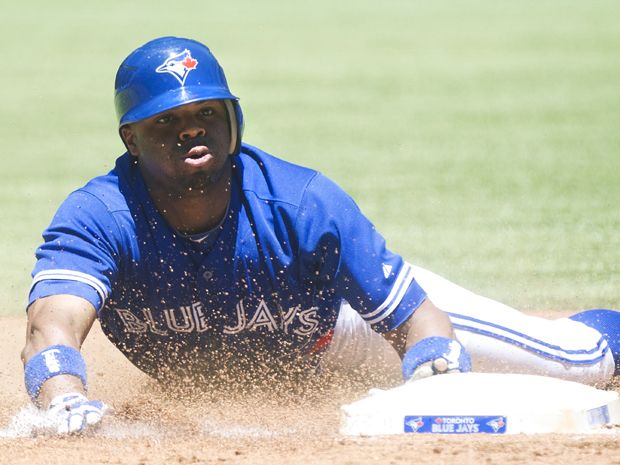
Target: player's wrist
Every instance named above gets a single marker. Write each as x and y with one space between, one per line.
57 386
55 369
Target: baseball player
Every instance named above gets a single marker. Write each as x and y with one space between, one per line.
200 254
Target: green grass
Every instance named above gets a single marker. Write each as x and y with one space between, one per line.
481 137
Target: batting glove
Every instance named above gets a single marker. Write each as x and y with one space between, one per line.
434 356
73 412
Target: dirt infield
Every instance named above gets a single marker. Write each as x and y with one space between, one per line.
273 426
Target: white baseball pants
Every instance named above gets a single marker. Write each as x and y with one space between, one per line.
498 338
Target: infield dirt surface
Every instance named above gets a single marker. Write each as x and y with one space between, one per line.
272 426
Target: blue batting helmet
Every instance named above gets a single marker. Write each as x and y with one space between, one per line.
169 72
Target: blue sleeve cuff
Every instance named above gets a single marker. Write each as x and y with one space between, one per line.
55 287
410 302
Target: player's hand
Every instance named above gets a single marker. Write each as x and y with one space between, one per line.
73 413
434 356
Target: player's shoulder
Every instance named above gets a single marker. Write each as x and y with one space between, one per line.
270 178
108 191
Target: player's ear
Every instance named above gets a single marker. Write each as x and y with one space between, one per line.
129 139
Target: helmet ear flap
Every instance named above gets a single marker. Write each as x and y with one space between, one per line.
235 123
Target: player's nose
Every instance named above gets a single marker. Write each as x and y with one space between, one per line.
191 132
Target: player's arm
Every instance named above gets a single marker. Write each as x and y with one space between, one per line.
340 245
59 320
55 372
427 344
426 321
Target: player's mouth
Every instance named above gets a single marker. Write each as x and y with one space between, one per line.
198 156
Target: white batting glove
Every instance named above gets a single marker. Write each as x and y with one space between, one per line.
435 355
73 413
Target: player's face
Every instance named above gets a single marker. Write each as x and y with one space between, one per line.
184 150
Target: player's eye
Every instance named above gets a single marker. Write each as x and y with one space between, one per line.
208 111
165 119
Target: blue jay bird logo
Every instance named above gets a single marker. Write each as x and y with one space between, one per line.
412 425
497 424
179 65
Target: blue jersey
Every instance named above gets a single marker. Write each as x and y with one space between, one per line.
264 288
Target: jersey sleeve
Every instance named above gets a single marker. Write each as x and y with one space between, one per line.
340 248
80 252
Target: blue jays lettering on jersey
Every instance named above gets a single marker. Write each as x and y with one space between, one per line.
263 288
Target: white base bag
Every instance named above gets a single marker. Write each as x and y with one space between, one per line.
470 403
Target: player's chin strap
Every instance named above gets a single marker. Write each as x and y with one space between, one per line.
53 361
433 356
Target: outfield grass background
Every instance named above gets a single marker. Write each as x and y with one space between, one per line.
481 137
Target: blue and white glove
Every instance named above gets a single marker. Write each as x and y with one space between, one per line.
434 356
73 413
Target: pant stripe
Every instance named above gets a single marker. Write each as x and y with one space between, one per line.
551 351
